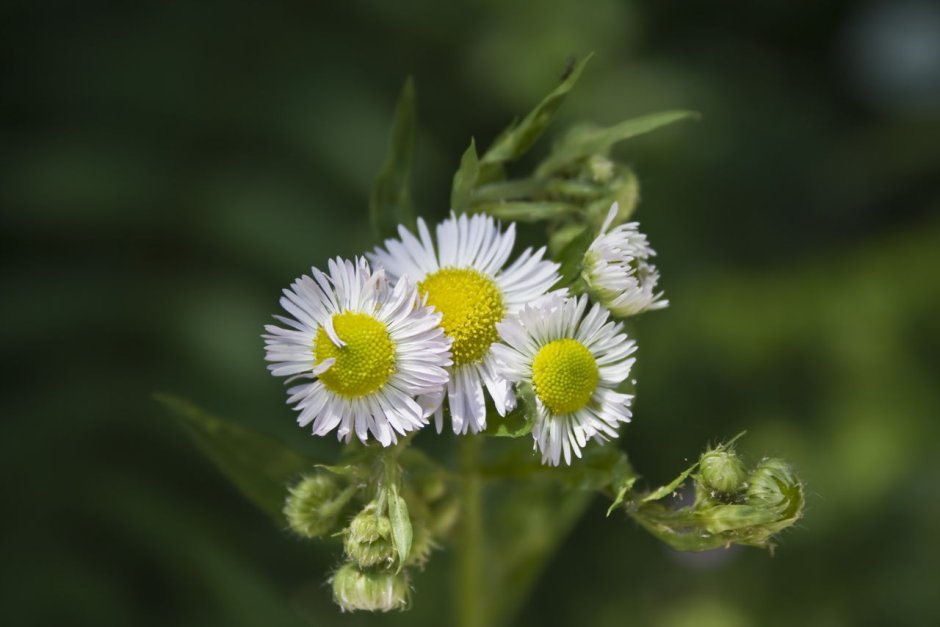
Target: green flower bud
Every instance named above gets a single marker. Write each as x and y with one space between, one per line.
369 539
723 471
773 484
372 590
314 505
600 168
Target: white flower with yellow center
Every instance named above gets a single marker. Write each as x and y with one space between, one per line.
617 270
464 278
368 350
574 362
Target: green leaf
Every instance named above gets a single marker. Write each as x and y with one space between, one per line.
259 466
571 256
600 468
390 201
402 532
582 142
520 421
621 494
559 240
518 138
527 211
669 488
465 179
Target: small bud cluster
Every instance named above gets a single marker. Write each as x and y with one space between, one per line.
353 502
745 507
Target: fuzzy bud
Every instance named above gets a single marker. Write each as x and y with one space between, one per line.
773 484
369 539
723 471
314 504
372 590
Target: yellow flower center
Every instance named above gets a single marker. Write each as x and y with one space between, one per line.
565 375
367 360
470 304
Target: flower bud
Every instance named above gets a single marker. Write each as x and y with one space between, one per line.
372 590
617 270
369 539
774 485
600 168
314 504
722 470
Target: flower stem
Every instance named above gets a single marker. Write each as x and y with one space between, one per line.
469 606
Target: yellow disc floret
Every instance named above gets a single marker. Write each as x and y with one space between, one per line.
367 360
565 376
470 304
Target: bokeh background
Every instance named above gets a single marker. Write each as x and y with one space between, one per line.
167 167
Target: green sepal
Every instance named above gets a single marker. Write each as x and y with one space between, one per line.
260 467
390 201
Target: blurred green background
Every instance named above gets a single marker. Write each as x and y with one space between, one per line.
169 167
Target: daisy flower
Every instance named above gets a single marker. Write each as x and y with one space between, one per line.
618 272
574 362
464 278
366 351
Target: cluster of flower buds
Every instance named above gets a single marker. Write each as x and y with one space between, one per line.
733 505
388 517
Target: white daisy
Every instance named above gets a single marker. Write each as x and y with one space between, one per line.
574 362
617 270
368 350
463 278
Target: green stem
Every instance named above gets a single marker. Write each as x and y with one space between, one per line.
470 595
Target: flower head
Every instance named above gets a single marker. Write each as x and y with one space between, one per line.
366 351
574 362
618 271
465 278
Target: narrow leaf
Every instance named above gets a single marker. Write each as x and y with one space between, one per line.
670 487
390 201
516 140
621 494
581 143
259 466
526 211
397 513
465 179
